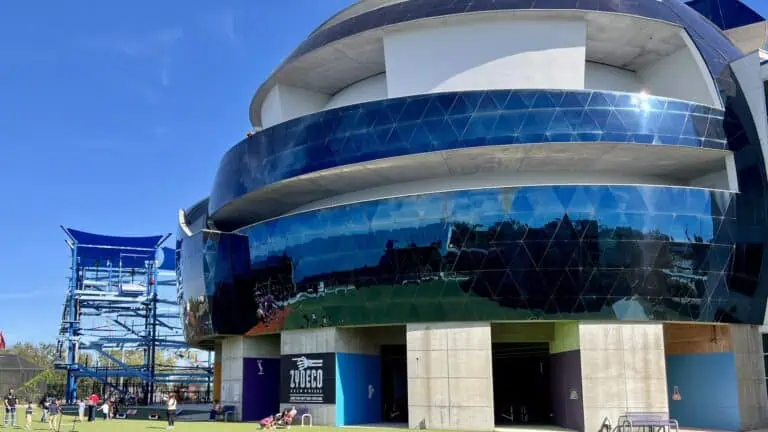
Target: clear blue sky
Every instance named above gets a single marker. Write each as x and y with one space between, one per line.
113 115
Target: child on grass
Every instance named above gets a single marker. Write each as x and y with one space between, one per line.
29 416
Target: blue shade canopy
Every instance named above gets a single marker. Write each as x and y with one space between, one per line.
726 14
90 239
166 259
96 250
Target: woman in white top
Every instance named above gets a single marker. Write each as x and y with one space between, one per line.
171 411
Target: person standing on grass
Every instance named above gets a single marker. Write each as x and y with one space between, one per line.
105 410
10 409
29 416
172 404
81 410
44 407
53 415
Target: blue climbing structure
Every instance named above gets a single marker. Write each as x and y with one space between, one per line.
122 298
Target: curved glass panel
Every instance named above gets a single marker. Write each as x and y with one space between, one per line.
544 252
214 287
716 49
447 121
751 235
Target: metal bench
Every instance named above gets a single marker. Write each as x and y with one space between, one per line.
651 420
227 411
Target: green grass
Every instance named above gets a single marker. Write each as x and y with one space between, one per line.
148 425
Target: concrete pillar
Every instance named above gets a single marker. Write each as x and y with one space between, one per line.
240 357
747 348
450 384
311 341
357 353
566 383
622 369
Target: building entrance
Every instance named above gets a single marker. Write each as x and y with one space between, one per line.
521 383
394 384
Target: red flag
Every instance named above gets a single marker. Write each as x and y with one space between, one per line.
2 341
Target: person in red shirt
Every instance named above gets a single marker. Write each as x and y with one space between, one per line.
93 401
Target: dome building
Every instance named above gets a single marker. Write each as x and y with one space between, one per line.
475 213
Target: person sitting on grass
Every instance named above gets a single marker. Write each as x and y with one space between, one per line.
286 418
268 422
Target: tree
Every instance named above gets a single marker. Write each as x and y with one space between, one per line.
50 380
42 355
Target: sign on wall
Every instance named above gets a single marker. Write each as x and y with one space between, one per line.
308 379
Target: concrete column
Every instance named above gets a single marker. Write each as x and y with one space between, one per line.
358 370
311 341
235 352
566 382
747 347
450 384
622 369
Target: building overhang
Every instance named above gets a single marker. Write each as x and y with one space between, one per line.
672 165
624 41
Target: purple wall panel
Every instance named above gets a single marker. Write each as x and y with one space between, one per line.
566 390
261 388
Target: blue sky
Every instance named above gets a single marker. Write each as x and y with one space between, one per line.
113 115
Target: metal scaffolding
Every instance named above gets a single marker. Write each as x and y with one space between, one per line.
122 299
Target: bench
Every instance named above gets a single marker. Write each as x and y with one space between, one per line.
652 420
228 410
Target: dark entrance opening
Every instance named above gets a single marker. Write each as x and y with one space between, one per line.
394 384
521 392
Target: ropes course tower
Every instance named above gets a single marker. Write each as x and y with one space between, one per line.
122 300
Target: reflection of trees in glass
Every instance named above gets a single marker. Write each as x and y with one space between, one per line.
562 265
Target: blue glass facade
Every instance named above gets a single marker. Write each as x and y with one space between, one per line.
547 252
544 252
448 121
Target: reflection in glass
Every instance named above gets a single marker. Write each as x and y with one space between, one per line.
449 121
544 252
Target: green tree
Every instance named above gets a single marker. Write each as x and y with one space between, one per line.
50 380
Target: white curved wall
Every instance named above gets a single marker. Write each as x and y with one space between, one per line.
285 102
486 54
367 90
603 77
681 75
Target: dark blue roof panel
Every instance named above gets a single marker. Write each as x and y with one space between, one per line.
96 250
726 14
84 238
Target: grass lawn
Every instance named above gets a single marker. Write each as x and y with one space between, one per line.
147 425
